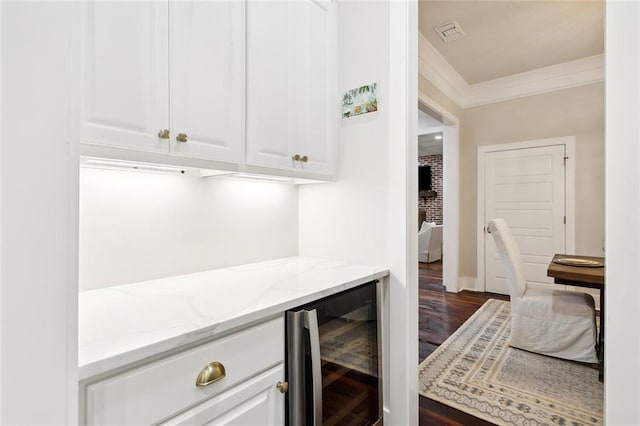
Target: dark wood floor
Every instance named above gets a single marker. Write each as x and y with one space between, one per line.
440 314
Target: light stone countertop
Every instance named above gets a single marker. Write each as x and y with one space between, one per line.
128 323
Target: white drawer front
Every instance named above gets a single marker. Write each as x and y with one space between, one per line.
161 389
257 402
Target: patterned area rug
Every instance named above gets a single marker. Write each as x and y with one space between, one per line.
476 371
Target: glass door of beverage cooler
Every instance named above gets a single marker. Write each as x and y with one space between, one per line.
333 360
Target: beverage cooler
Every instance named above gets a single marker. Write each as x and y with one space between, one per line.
334 360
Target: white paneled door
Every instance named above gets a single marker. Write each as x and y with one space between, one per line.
527 188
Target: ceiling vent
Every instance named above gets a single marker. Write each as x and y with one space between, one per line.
450 31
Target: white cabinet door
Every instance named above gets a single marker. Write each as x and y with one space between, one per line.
257 402
317 118
288 85
270 103
207 79
125 74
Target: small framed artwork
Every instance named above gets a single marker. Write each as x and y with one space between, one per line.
361 100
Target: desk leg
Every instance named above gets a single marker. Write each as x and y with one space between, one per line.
601 339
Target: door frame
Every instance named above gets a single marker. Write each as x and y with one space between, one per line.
450 187
570 194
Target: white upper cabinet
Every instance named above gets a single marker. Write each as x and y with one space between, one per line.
290 72
225 84
316 138
125 74
207 79
150 66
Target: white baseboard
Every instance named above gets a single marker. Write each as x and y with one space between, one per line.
467 283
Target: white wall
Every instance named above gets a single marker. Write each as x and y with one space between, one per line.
579 112
1 258
365 216
622 346
347 219
137 226
39 217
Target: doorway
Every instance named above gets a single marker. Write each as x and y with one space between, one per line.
442 123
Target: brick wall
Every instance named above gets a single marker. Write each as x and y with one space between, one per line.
432 207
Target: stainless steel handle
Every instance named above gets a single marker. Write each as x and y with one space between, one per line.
164 134
311 323
182 137
211 373
295 368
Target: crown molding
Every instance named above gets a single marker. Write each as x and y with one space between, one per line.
439 72
436 69
543 80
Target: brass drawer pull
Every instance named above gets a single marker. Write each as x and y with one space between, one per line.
182 137
296 157
210 373
304 159
164 134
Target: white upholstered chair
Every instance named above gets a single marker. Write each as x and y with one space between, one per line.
430 243
546 321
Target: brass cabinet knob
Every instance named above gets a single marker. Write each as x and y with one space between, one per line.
283 387
304 159
211 373
182 137
296 157
164 134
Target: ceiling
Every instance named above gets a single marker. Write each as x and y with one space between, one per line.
427 142
429 145
426 122
511 37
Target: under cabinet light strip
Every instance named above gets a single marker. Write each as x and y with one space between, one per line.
262 178
255 178
100 163
124 165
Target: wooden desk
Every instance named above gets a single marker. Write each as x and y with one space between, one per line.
583 277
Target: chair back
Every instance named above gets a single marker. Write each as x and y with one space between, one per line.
510 255
424 236
435 241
